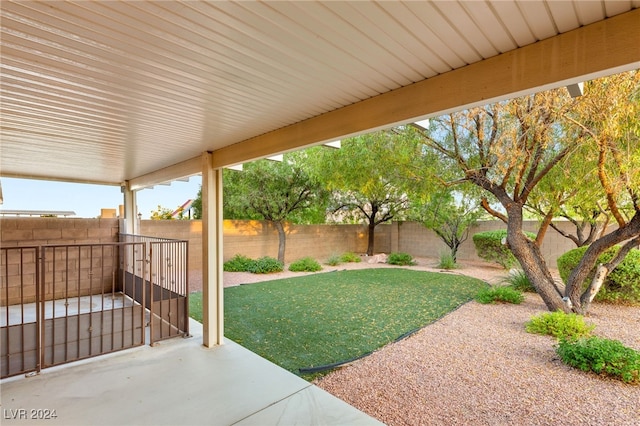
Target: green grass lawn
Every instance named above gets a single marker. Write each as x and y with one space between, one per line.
331 317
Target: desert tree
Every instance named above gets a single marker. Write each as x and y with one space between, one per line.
273 191
448 212
367 178
511 149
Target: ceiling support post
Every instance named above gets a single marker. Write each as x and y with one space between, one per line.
212 226
131 220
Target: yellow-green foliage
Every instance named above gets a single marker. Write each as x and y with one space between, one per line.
559 325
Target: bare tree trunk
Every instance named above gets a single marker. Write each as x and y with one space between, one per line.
371 237
282 240
594 287
533 264
534 267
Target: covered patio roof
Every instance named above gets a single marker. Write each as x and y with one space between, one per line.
136 92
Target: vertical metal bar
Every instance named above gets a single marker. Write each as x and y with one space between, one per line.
161 284
66 304
53 311
39 321
124 251
102 304
169 246
40 298
122 315
113 316
90 300
78 296
185 258
22 335
151 310
143 309
5 277
124 307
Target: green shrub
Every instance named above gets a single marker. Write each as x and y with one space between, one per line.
489 247
334 260
601 356
559 325
447 262
518 280
266 265
399 258
306 264
237 263
622 285
350 257
499 295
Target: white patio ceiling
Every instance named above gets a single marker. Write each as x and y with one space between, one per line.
115 91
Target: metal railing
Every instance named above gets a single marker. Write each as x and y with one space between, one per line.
84 311
19 307
62 303
166 285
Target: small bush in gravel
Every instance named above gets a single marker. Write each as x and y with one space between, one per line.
601 356
266 265
399 258
622 285
237 263
334 260
447 261
499 295
559 325
350 257
306 264
519 281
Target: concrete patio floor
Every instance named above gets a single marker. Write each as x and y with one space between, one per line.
177 382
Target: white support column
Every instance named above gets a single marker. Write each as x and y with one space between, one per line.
131 224
212 288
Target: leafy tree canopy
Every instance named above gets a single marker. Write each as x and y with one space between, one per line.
368 177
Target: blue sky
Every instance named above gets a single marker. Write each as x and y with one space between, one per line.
87 200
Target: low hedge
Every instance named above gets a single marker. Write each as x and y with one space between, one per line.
400 258
238 263
306 264
264 265
489 247
622 285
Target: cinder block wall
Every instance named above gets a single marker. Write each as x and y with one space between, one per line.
422 242
189 230
256 239
19 268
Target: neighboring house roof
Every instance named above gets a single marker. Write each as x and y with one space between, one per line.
136 91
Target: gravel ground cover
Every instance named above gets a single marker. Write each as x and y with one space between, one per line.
478 366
